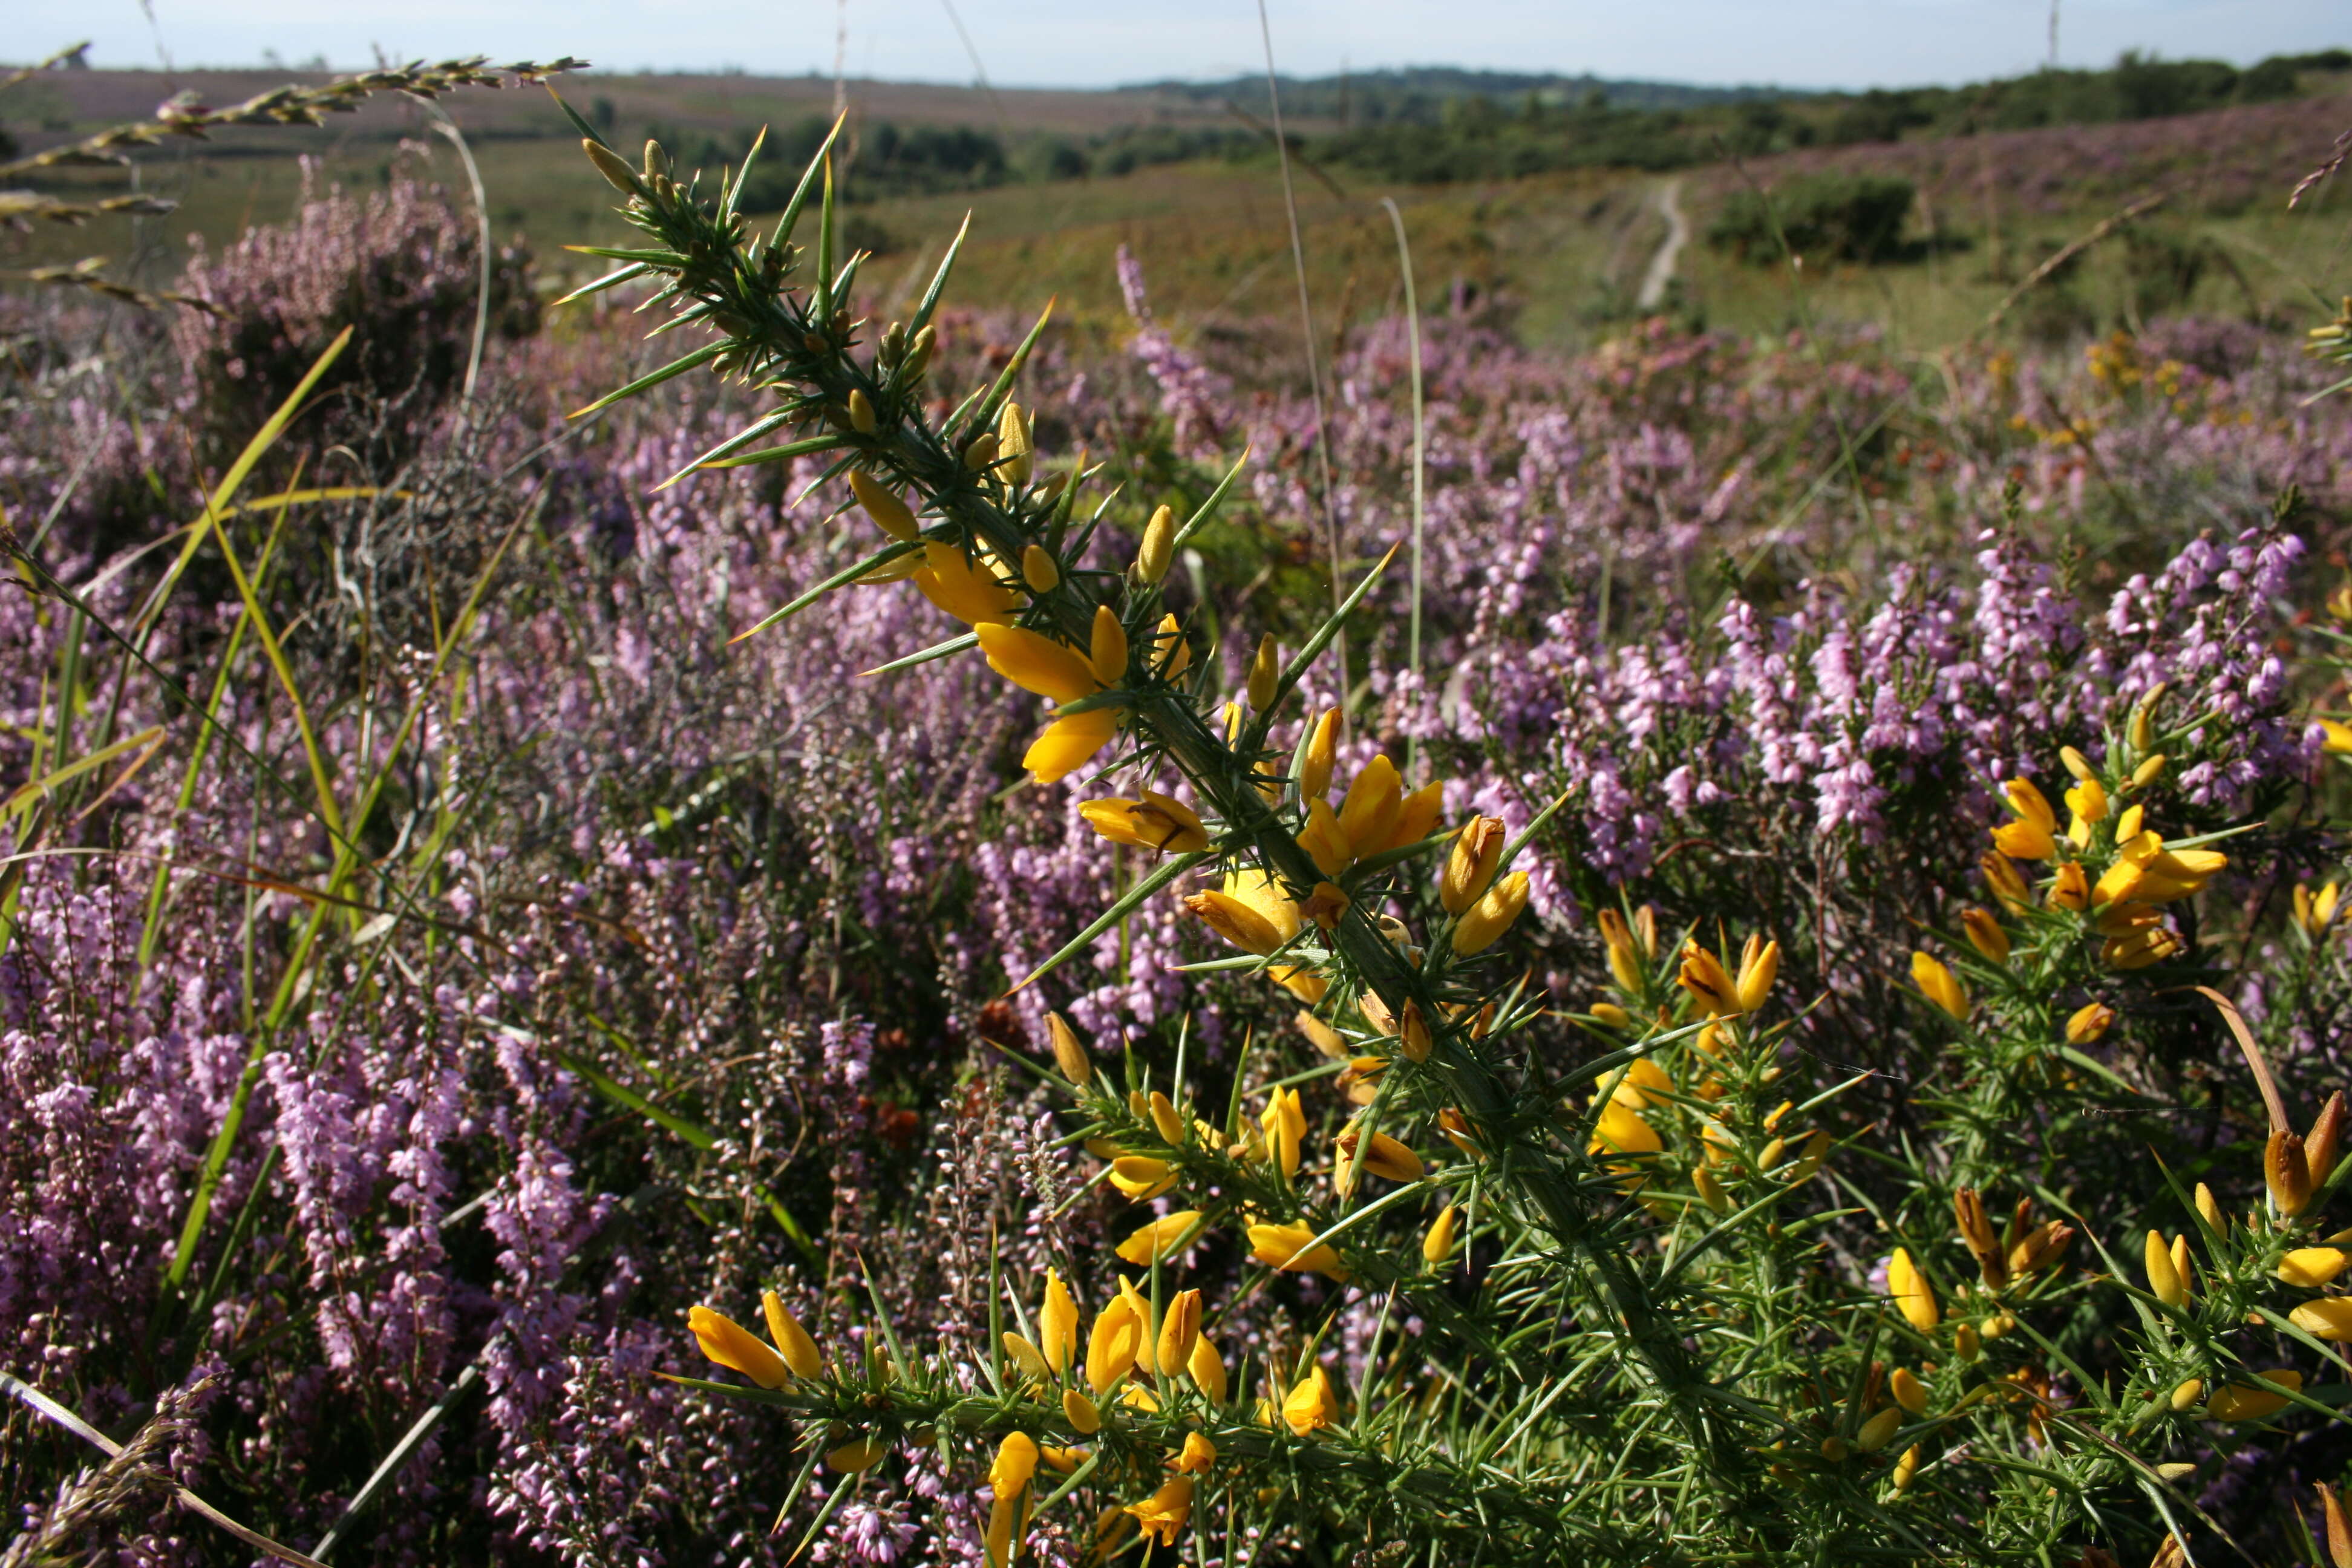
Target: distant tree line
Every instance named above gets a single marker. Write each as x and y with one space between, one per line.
1434 126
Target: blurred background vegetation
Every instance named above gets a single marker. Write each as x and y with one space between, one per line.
1548 196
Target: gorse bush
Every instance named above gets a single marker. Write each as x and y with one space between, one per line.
1580 1289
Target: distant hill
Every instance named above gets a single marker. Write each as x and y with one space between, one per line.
1420 93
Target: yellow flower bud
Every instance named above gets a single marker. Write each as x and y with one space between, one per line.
1160 822
1069 1053
1113 1345
861 413
2076 763
1912 1295
1172 656
1938 985
1159 549
1438 1244
2187 1393
1908 1391
1710 1191
2209 1207
1012 445
612 166
980 453
1906 1468
1985 934
1069 742
1284 1124
2164 1281
1471 863
2286 1171
1039 570
1107 652
1206 1370
1759 967
1264 669
1180 1330
1322 754
1080 1412
1878 1430
890 514
1058 1323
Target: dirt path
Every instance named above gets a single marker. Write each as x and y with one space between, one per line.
1662 265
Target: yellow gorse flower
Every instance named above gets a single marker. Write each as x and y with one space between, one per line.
1113 1345
970 591
1057 1324
1160 822
1472 861
2252 1402
1156 1241
735 1347
1309 1406
1163 1515
1284 1246
2165 1265
1284 1124
2033 835
1322 756
1486 920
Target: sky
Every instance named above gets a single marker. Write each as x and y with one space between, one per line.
1100 43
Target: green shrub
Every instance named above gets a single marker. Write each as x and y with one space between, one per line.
1841 218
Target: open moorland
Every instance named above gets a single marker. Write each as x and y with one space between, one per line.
683 882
